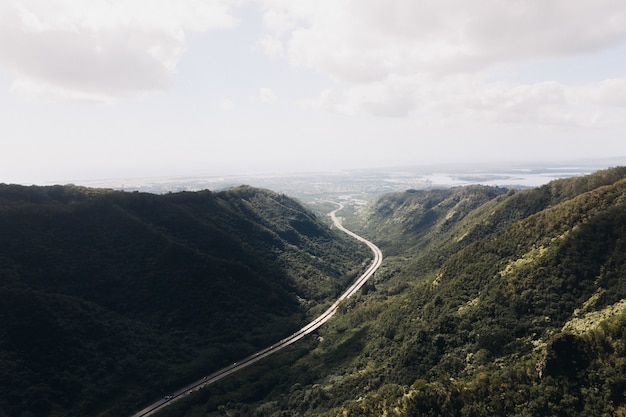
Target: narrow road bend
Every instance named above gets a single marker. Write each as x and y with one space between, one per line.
257 356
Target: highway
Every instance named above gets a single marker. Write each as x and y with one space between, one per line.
257 356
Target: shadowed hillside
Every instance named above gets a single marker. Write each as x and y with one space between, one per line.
109 299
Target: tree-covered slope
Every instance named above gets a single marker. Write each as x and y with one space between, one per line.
416 218
514 308
108 299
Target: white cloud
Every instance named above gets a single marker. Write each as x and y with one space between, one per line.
102 48
394 97
227 104
403 57
611 92
266 95
542 103
545 103
272 46
368 39
464 97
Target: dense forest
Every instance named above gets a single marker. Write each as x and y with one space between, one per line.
110 299
489 302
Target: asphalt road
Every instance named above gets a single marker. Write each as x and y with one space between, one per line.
257 356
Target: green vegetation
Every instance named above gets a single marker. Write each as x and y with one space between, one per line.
489 302
108 299
494 302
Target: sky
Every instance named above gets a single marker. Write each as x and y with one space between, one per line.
141 88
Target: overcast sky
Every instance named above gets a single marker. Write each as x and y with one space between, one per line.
93 89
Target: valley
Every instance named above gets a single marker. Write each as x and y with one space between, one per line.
466 315
140 294
283 343
490 300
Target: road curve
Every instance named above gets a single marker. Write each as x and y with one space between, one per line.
257 356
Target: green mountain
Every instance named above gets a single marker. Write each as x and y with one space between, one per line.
493 302
110 299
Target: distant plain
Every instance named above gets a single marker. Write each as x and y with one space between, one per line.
369 183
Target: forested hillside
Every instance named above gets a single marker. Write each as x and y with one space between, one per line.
494 302
110 299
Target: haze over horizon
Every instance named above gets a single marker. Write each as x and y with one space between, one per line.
136 88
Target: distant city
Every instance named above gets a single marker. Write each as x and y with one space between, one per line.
367 183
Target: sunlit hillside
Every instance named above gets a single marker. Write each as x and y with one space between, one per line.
490 303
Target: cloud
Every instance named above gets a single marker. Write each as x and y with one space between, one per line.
100 49
464 97
611 92
394 97
542 103
227 104
365 40
404 57
551 103
266 95
272 46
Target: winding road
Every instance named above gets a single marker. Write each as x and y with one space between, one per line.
257 356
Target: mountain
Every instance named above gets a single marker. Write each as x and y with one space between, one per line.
416 218
110 299
493 302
